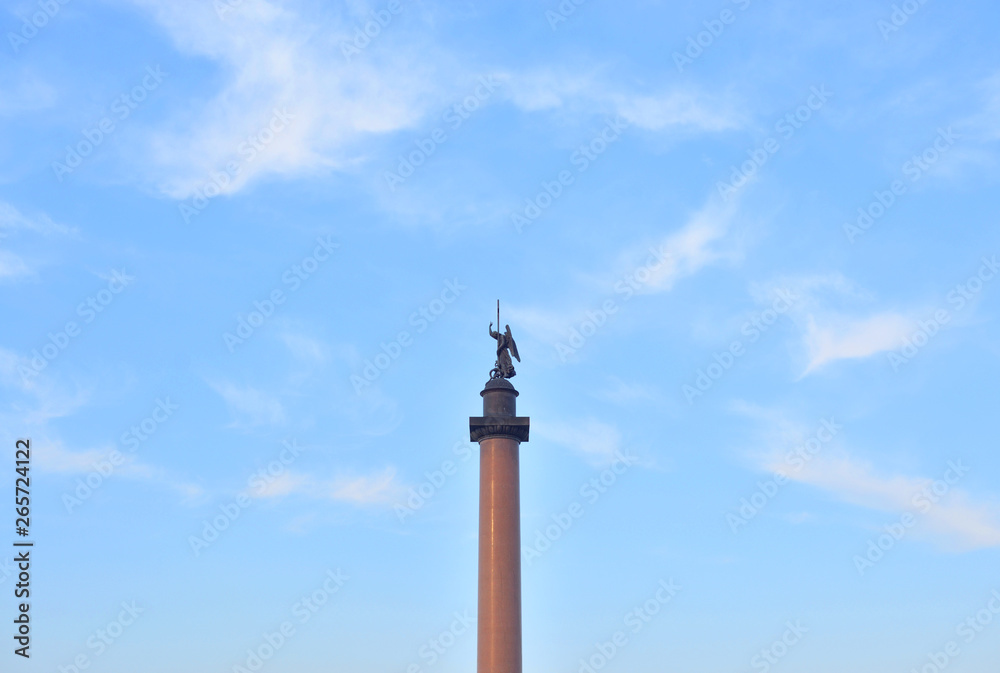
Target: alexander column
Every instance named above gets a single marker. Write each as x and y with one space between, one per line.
499 432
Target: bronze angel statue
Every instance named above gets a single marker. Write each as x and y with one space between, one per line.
504 368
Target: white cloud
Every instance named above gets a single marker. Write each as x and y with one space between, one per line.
593 440
844 338
275 57
39 400
52 456
695 245
815 291
283 484
684 252
546 90
985 123
835 321
798 518
22 90
304 348
12 219
252 407
380 488
957 522
282 55
620 392
47 400
679 109
544 324
12 266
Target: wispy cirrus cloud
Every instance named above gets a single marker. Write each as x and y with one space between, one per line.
23 90
14 222
39 398
949 516
957 522
51 455
836 320
378 488
285 56
593 440
624 394
38 401
304 347
12 266
674 108
284 484
829 338
250 406
985 122
289 56
12 219
698 244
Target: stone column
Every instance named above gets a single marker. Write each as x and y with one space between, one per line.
499 432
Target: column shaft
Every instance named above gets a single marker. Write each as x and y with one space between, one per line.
499 556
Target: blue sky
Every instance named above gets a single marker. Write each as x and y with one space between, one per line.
249 253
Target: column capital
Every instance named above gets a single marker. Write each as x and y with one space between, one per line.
485 427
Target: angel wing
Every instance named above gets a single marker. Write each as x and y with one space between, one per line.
513 346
